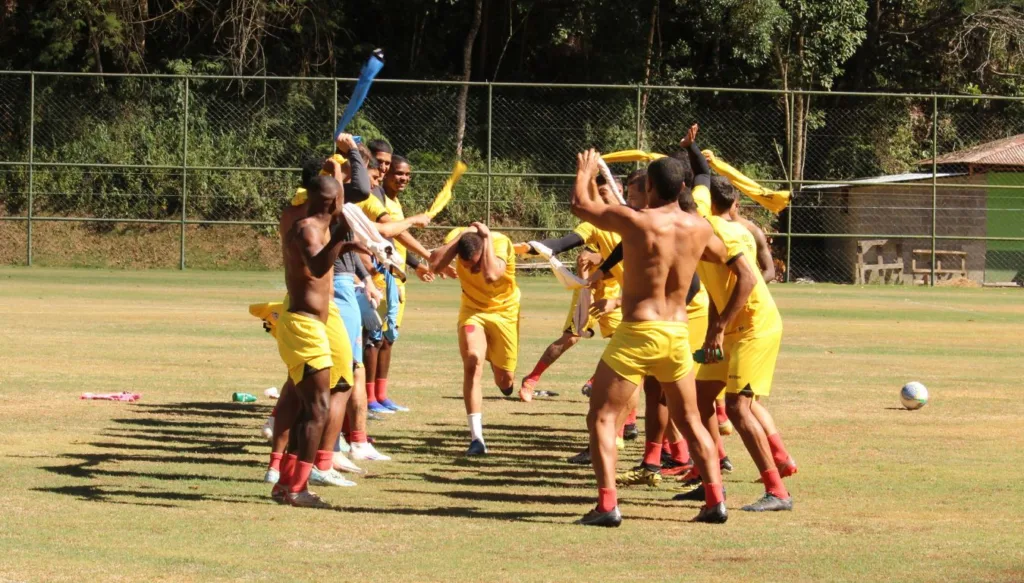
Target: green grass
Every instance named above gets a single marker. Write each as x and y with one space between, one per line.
168 489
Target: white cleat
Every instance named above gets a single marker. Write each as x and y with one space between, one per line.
268 429
329 478
366 451
306 499
343 445
343 464
272 476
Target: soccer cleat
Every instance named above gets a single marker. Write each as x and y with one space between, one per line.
268 428
725 465
341 463
587 387
725 427
684 486
769 503
375 407
366 451
272 476
526 390
630 432
279 494
640 475
507 392
620 444
393 406
695 493
610 519
306 499
716 514
786 469
330 477
342 445
476 447
371 416
582 458
678 469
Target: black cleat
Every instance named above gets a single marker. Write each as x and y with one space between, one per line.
694 495
476 447
725 465
610 519
770 503
582 458
507 392
716 514
630 432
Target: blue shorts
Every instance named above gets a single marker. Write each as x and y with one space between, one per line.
345 299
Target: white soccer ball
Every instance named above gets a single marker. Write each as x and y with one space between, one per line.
914 395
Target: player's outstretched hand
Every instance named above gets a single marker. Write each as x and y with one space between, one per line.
345 143
709 156
586 164
448 272
691 137
423 272
523 249
480 228
588 260
420 220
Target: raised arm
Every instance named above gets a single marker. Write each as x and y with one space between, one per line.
358 189
443 256
698 163
412 244
588 205
491 266
559 245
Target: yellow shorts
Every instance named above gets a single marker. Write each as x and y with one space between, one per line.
608 323
502 331
657 349
304 341
749 361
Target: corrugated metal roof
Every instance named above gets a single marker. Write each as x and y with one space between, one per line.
1004 152
888 179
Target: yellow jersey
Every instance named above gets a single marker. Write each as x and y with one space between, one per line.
698 307
373 208
604 242
480 296
394 208
760 313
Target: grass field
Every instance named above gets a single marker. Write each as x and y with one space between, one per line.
168 489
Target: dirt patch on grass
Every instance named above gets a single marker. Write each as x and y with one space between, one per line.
958 282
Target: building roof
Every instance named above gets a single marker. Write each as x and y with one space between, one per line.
1004 152
889 179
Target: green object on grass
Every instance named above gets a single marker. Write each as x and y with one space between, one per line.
243 398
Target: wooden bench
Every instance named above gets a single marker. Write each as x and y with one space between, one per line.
942 269
871 265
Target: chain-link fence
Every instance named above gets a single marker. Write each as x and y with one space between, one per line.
176 171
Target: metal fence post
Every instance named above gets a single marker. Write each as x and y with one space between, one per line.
935 176
335 118
639 118
184 174
31 165
792 193
490 132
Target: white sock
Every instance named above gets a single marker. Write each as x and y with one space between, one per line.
476 426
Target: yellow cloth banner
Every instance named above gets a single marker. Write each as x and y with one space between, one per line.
300 193
443 197
631 156
773 200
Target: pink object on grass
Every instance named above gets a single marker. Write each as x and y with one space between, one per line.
125 396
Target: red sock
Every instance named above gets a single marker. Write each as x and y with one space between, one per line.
721 449
275 461
631 420
371 392
680 451
713 495
606 499
323 459
288 463
665 446
779 453
537 371
358 437
301 479
652 454
382 390
720 412
773 483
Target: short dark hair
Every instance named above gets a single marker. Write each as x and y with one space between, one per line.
666 175
368 158
379 146
396 160
723 195
684 157
686 201
311 169
638 174
469 244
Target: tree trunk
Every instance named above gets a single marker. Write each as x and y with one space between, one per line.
800 100
467 63
647 70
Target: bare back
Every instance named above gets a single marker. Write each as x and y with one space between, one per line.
308 294
660 249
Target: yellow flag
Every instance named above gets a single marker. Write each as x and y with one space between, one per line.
442 198
773 200
631 156
300 193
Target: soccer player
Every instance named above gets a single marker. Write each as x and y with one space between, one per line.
662 245
488 324
745 324
603 242
311 336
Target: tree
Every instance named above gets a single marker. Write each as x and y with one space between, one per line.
467 64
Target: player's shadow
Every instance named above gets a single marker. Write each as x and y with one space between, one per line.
463 512
92 466
205 409
506 497
115 495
